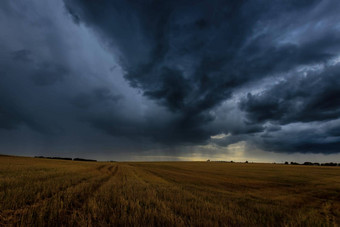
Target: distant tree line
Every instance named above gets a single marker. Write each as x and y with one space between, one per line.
84 160
293 163
314 164
69 159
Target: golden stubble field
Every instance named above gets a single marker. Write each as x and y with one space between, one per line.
42 192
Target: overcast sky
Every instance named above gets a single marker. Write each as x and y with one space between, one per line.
235 80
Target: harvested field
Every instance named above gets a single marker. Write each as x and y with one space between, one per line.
44 192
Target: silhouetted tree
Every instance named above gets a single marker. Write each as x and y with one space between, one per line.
308 163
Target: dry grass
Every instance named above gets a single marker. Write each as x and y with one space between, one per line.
41 192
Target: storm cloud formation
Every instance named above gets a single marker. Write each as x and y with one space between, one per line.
152 75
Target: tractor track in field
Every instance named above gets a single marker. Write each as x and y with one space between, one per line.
111 171
162 201
176 186
7 216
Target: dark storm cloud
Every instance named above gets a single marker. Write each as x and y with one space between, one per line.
170 74
317 137
13 114
308 108
9 118
191 56
41 72
315 96
53 75
48 74
22 55
157 128
43 67
98 95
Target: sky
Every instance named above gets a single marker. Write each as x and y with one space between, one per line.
255 80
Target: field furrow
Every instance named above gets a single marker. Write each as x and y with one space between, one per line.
68 193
